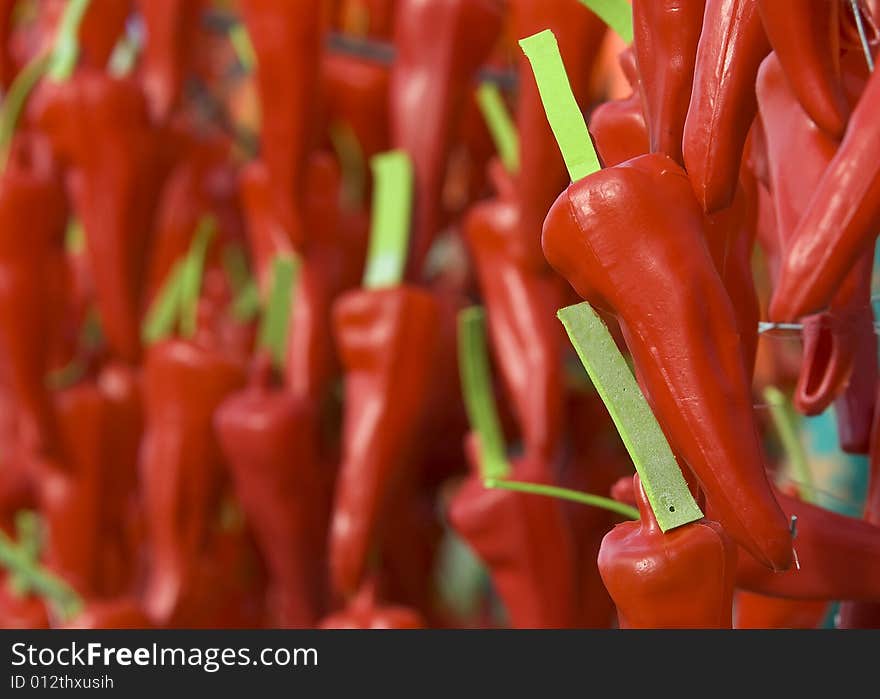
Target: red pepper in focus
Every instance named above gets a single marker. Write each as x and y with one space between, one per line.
384 337
117 185
606 236
665 38
510 532
181 466
268 438
287 41
752 611
33 217
805 37
440 44
679 579
723 106
171 28
365 612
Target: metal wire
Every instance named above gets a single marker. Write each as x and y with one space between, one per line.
863 37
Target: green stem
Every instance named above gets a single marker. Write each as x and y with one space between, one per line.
354 167
191 276
784 421
276 318
243 47
476 385
16 98
563 113
65 51
664 484
390 220
500 124
553 491
165 309
617 14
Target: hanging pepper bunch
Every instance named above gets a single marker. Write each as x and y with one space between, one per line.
436 313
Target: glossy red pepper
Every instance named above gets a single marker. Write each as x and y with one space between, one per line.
32 272
268 438
665 38
752 611
440 44
366 612
118 181
683 578
722 107
383 338
181 465
286 38
606 236
171 28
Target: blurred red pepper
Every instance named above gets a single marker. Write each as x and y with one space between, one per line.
102 27
8 67
122 613
365 612
666 34
682 578
605 234
752 611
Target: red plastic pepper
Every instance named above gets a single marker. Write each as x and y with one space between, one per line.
440 44
365 612
181 467
383 337
683 578
32 272
665 38
286 37
722 107
268 438
606 236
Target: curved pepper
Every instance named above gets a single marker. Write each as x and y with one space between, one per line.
840 223
171 28
267 437
525 337
752 611
181 468
722 107
383 338
33 217
440 44
118 182
606 236
665 38
805 37
365 612
679 579
286 37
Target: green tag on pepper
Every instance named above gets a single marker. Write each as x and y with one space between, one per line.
391 219
617 14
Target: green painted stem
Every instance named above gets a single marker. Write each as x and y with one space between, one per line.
191 276
390 220
564 494
784 421
661 477
273 328
563 113
500 124
65 51
165 309
476 385
617 14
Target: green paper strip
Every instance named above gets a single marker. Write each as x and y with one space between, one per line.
562 110
617 14
476 385
648 448
191 276
16 98
273 328
165 309
65 51
553 491
501 126
784 421
390 220
243 47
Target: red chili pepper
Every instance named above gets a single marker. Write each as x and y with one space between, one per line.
286 37
101 28
679 579
752 611
365 612
181 467
440 44
268 438
383 337
8 67
374 18
605 235
509 531
171 28
32 272
118 179
722 107
20 612
665 38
